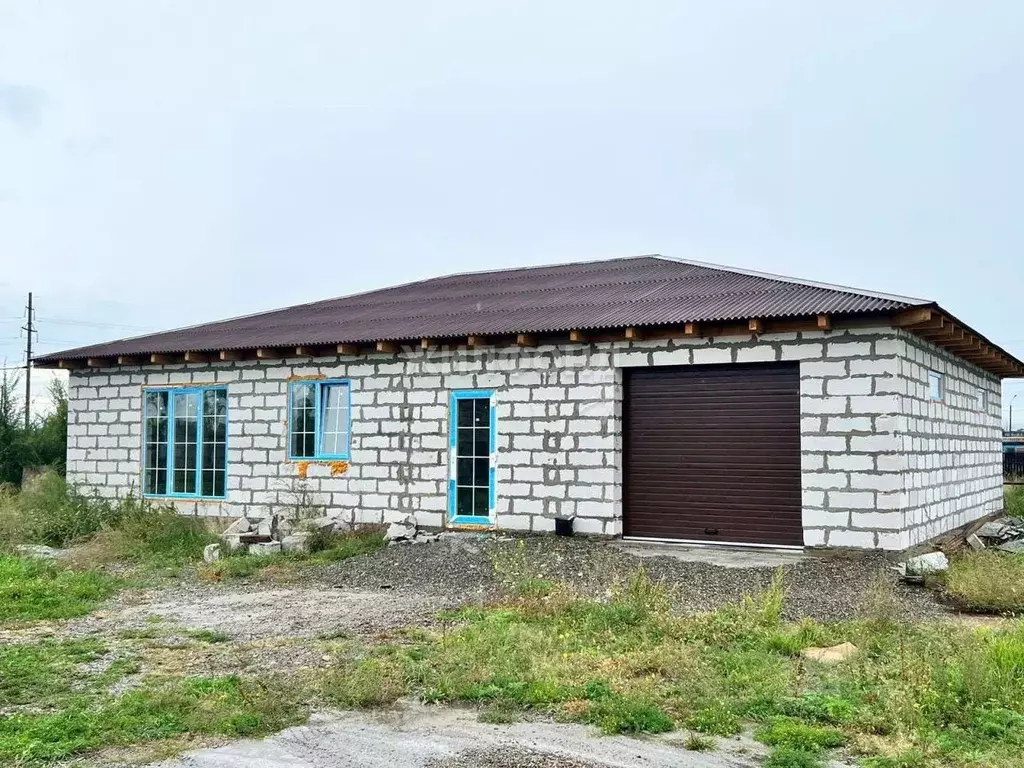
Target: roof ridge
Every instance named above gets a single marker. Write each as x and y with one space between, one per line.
796 280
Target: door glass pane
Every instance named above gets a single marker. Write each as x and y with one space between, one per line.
465 412
481 502
482 442
483 412
464 502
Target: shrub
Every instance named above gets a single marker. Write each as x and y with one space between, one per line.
624 714
55 514
790 757
789 732
987 581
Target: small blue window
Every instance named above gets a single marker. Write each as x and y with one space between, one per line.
936 388
319 420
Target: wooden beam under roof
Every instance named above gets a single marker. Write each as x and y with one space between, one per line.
633 334
755 325
824 322
197 357
913 317
390 347
161 359
526 340
71 365
348 349
266 353
129 360
578 337
231 354
691 329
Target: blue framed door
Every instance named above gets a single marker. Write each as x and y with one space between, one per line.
472 453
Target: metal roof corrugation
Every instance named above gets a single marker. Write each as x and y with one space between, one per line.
637 291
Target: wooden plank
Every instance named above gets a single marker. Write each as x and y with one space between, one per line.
912 317
691 329
475 341
266 353
825 322
633 334
578 337
526 340
70 365
348 349
197 357
426 344
755 325
128 360
387 346
231 354
312 352
160 359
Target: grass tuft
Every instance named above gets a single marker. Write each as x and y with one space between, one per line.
790 757
986 581
32 589
1013 500
695 742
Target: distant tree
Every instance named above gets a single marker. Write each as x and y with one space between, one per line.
12 438
44 443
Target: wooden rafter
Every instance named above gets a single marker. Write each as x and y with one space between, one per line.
389 347
231 354
266 353
633 334
578 337
348 349
755 325
526 340
70 365
161 359
128 360
691 329
197 357
824 322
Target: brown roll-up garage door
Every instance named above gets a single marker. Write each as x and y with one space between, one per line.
712 453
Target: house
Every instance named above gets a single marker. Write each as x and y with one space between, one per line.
646 397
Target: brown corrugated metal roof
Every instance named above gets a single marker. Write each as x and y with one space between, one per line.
637 291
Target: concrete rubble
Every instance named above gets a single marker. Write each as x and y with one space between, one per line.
273 534
405 531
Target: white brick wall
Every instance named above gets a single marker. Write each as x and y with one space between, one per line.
881 466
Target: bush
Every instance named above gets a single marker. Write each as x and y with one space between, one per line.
56 514
986 581
623 714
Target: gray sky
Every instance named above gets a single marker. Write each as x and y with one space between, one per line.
168 162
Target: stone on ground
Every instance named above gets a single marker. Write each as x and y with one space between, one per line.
830 655
974 542
925 565
1014 547
295 542
265 548
41 551
211 553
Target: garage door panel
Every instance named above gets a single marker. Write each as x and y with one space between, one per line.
713 453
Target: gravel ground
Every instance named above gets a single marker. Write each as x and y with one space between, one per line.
822 588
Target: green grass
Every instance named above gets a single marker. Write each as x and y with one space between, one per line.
987 581
1013 498
224 706
209 635
33 589
38 673
948 693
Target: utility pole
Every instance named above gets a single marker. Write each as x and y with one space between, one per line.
28 364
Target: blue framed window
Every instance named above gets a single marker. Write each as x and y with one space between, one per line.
185 434
473 433
319 419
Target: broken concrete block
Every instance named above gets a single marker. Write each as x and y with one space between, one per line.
295 542
994 530
974 542
233 541
267 526
211 553
241 525
830 655
401 531
924 565
265 548
1013 547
